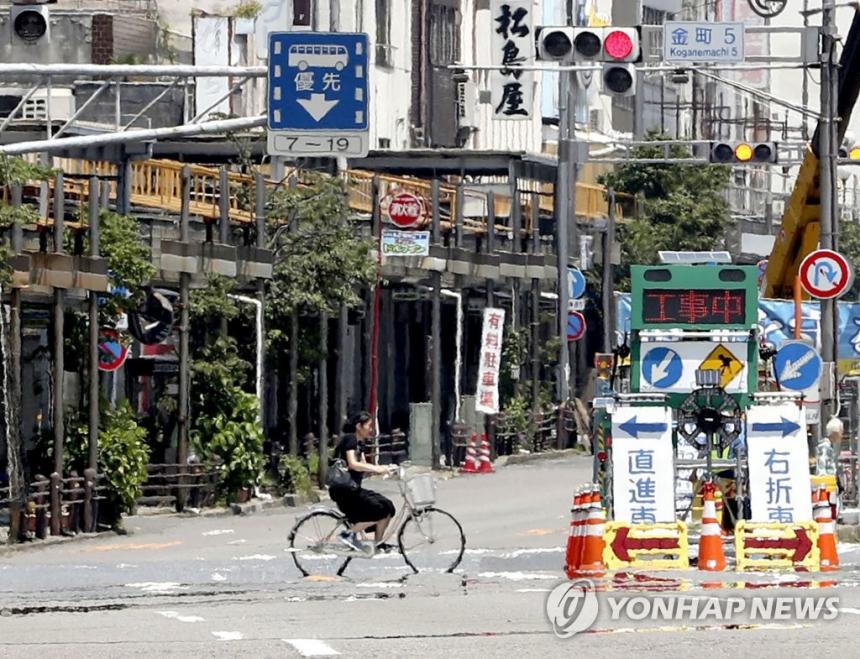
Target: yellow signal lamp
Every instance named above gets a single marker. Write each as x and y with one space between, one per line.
743 152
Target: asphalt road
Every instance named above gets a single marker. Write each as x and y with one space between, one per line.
227 586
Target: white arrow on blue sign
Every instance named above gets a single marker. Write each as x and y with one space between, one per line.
797 366
662 367
575 283
318 94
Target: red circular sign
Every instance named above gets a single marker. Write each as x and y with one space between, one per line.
112 353
575 326
826 274
404 209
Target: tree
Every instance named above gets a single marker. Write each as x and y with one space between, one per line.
683 207
321 262
849 246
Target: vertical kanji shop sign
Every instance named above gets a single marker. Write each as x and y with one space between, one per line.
512 45
487 391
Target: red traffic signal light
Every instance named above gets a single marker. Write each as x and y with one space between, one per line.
621 44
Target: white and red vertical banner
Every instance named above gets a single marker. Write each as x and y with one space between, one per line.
512 45
487 392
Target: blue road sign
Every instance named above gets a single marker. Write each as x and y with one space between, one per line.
662 367
785 427
318 93
575 326
634 428
797 366
575 283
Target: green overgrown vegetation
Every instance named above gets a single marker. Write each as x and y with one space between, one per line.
683 207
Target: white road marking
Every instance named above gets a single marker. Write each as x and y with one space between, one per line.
537 550
380 584
157 586
518 576
256 557
241 541
533 590
173 615
228 636
311 647
219 532
218 577
856 612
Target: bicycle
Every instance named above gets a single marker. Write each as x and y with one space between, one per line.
420 527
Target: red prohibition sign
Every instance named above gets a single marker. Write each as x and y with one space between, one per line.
405 209
826 274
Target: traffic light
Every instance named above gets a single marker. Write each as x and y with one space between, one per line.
555 44
620 49
30 19
734 153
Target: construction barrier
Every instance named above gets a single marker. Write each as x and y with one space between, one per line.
768 545
661 546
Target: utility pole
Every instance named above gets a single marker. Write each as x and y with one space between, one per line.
566 230
827 150
608 293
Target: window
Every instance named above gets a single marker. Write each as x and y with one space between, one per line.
384 143
383 33
303 11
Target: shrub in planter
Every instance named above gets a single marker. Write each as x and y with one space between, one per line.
232 436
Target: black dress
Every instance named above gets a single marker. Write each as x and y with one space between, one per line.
359 505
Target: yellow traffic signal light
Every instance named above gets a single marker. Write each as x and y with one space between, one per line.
727 153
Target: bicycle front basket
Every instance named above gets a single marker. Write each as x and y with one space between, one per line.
421 491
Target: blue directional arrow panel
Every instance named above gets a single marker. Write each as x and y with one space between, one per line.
643 483
662 367
797 366
778 460
317 81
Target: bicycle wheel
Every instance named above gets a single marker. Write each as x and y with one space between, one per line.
315 546
431 539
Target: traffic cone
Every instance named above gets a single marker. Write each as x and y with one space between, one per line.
570 556
486 467
582 521
826 532
711 555
718 505
592 547
471 464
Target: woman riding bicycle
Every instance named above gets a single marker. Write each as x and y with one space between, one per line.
363 508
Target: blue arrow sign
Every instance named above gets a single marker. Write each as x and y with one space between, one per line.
576 283
797 366
825 269
317 81
662 367
785 426
634 428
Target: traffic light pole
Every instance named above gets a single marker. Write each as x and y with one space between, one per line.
827 150
566 229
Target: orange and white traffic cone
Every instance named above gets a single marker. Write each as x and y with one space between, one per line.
592 564
826 532
711 555
718 505
571 554
471 464
486 467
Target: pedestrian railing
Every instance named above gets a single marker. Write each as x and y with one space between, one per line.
194 485
535 433
56 506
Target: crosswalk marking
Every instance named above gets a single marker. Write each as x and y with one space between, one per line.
311 647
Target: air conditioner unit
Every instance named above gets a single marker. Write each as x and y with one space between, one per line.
467 100
62 105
